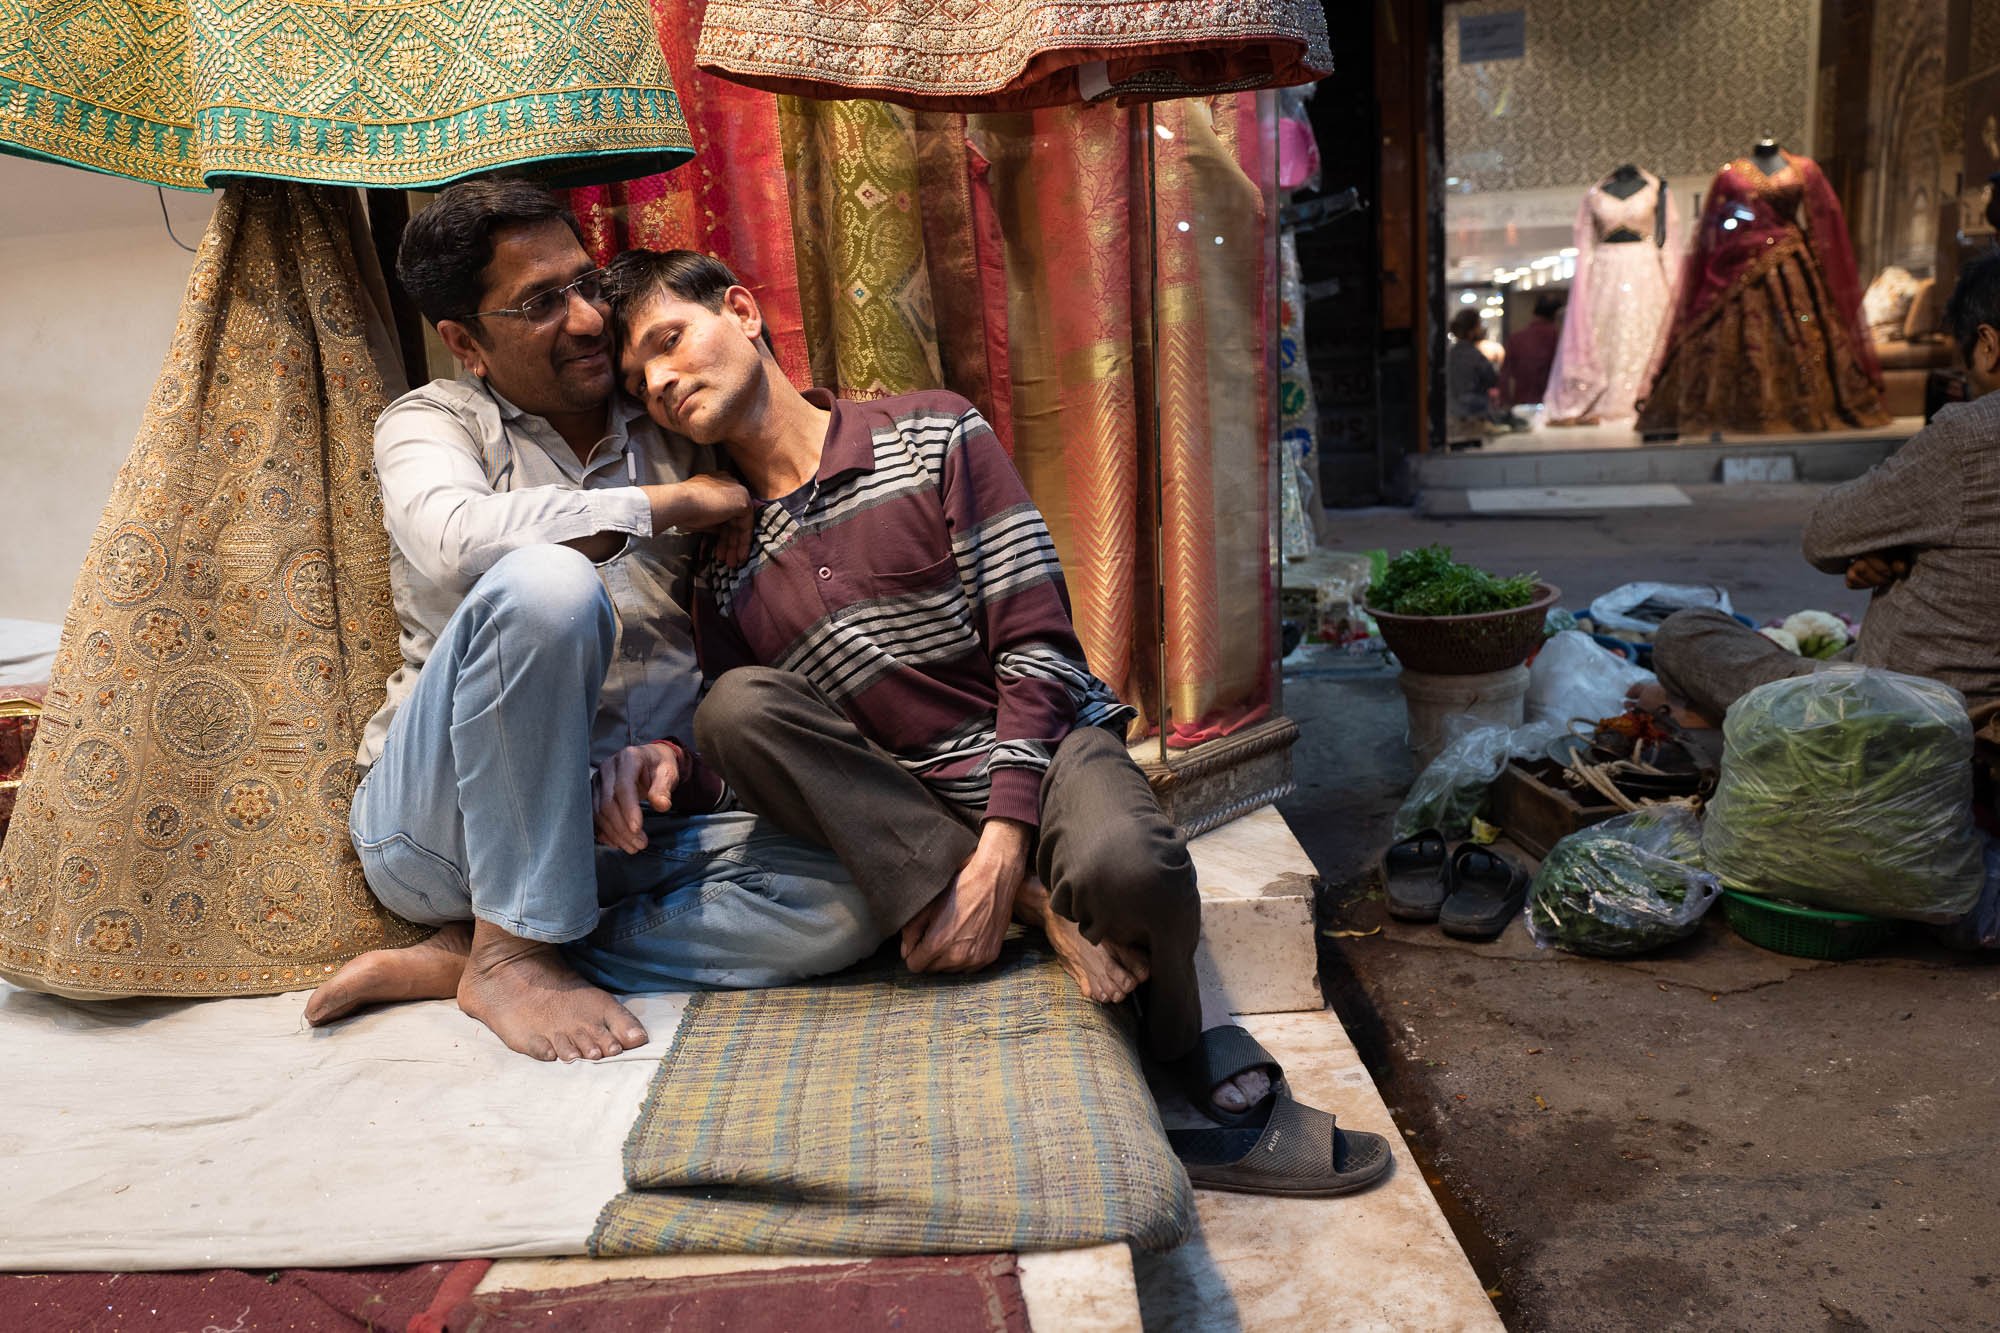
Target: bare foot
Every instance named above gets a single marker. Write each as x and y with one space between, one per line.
427 970
1104 972
1652 697
1232 1096
529 997
1239 1094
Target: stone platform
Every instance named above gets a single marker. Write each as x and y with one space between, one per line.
1381 1260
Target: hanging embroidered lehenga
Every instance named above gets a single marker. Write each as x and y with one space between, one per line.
1619 298
181 826
1014 55
1767 334
184 93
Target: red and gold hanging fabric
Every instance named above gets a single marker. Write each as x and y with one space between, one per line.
731 201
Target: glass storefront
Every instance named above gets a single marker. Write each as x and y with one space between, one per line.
1707 220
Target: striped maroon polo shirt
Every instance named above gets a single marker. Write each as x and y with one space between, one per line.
918 588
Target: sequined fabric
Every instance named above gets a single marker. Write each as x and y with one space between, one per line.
1767 333
997 55
181 829
1619 300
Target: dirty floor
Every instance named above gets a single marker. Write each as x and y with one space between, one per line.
1715 1137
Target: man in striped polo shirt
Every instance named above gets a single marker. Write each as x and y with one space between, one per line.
895 675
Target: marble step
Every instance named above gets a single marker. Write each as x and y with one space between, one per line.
1384 1259
1257 943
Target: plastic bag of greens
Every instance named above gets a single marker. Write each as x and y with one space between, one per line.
1850 788
1625 886
1448 793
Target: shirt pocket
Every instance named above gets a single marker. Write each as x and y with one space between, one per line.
934 583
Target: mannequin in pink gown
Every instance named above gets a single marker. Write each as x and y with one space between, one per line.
1623 289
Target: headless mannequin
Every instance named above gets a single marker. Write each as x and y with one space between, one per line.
1625 182
1767 157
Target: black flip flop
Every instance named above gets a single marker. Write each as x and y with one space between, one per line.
1413 874
1288 1149
1486 891
1223 1052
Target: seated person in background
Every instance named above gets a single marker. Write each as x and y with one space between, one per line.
1524 375
894 674
540 571
1921 529
1470 378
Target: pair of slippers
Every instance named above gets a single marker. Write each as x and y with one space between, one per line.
1472 893
1280 1146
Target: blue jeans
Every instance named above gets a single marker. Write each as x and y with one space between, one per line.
480 807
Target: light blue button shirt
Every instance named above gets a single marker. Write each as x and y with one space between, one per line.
467 477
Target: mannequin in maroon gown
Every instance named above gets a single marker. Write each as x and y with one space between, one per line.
1766 334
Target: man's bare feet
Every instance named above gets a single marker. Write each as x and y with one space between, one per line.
529 997
1104 972
427 970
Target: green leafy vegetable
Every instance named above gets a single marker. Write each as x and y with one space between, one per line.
1426 581
1850 789
1625 886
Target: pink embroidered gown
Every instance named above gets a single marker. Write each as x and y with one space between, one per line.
1618 300
1767 333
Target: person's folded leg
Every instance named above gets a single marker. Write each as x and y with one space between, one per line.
480 803
1117 866
1711 660
794 758
722 901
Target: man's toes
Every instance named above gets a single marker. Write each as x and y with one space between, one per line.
631 1035
1229 1097
1254 1084
322 1007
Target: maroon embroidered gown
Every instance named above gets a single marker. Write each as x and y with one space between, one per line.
1766 334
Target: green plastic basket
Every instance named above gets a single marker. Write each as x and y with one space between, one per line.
1805 932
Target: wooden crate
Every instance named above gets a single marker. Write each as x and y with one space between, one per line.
1530 803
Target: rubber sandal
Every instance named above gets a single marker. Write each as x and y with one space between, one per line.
1486 892
1291 1149
1413 875
1221 1053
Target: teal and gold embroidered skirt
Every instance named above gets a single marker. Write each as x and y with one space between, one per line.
415 93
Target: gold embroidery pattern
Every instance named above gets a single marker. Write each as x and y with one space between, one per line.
372 92
1021 53
181 824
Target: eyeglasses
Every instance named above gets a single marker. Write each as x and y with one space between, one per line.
546 307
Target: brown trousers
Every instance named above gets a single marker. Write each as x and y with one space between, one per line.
1712 660
1113 863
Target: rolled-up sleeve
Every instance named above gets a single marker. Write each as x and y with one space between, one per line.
449 522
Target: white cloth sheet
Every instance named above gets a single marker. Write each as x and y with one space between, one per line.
27 650
153 1134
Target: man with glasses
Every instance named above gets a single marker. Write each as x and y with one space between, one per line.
539 526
